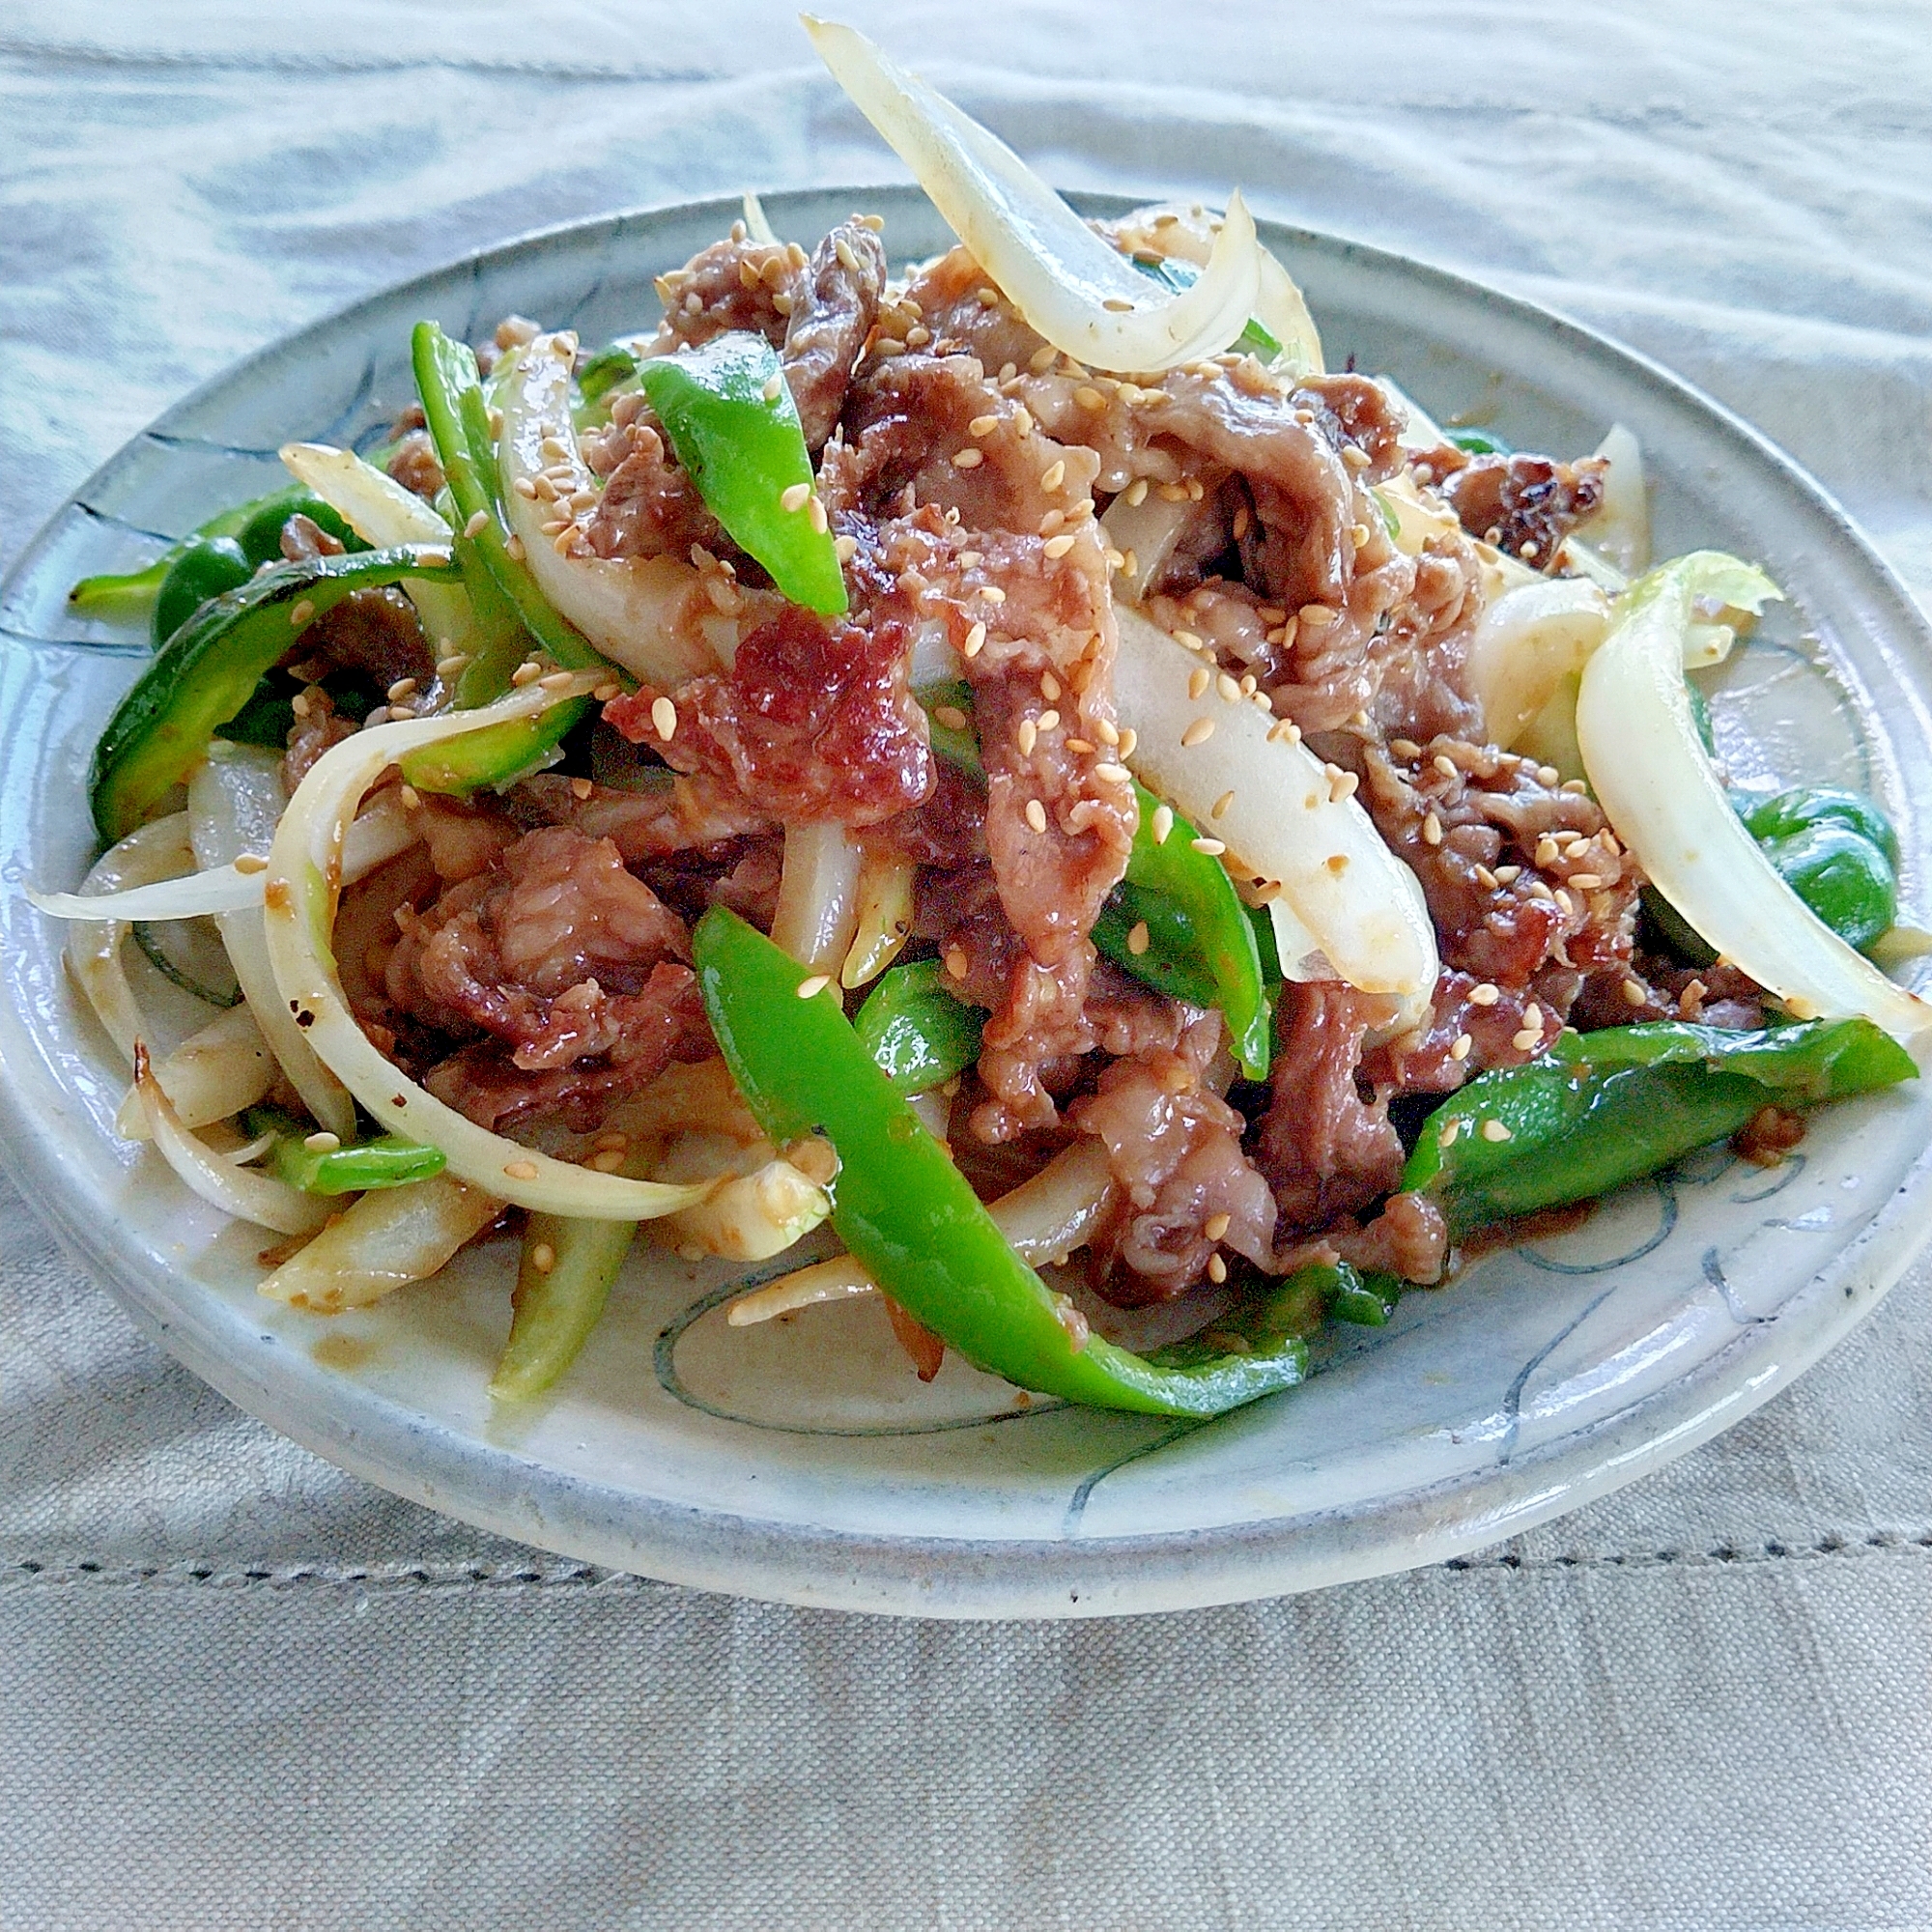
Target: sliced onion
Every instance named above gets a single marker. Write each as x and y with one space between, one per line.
1420 431
385 1239
1618 530
234 803
303 881
818 895
1342 884
1666 803
382 512
757 224
1045 1219
886 908
1086 299
210 1077
1145 533
762 1205
1282 309
653 616
1525 644
219 889
238 1191
157 850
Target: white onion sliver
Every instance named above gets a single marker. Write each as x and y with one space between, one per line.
650 615
757 224
750 1217
1082 295
219 889
1045 1219
1525 643
1355 899
154 851
382 512
1666 801
1145 533
886 909
299 913
238 1191
1618 531
234 803
210 1077
818 895
388 1238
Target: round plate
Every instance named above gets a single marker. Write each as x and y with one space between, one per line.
803 1461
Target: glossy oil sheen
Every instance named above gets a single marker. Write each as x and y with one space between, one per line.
802 1460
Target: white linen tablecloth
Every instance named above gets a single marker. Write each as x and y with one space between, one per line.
238 1689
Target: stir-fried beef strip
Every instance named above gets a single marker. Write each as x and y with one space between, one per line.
833 309
1522 504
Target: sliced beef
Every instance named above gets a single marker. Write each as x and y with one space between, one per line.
648 506
731 285
682 813
1520 504
834 305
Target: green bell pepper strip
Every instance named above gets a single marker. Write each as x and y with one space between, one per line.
209 669
553 1310
205 568
129 597
914 1028
503 596
1201 942
1791 813
1358 1296
907 1215
260 535
385 1162
1603 1108
599 374
1479 443
734 426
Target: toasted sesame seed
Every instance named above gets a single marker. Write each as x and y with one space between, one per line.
478 523
1028 736
1219 809
1229 688
664 717
1042 358
1495 1130
1445 764
1054 475
1355 459
1284 731
520 1170
970 559
557 680
1212 846
300 611
605 693
976 639
845 547
1404 748
403 687
951 716
527 673
1633 994
1342 784
543 1258
1049 687
1449 1134
1082 747
1432 830
1586 882
581 788
1137 938
1548 775
322 1142
1460 1047
1197 733
794 498
1507 875
1217 1270
815 510
566 540
298 705
1485 994
1163 823
1189 641
1136 493
1316 616
969 457
1049 721
1197 681
554 527
1337 863
815 984
525 488
514 545
1128 739
1110 774
983 426
1058 545
1565 904
452 665
1036 814
773 386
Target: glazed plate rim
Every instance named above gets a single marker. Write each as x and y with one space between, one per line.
493 1486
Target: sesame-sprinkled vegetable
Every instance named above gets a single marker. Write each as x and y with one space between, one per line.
906 1213
1600 1109
736 432
562 1283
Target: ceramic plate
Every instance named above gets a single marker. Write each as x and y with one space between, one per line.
802 1460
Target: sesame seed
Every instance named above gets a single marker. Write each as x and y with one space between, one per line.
1082 747
773 386
1432 830
1633 994
1565 904
1042 358
1216 1225
1058 545
1337 863
477 524
1107 731
1342 784
605 693
300 611
1212 846
1241 521
1049 687
1088 397
1136 493
664 717
1219 809
983 426
1109 774
403 687
527 673
1460 1047
816 984
816 509
1448 1136
250 861
1316 616
1576 787
1545 850
514 547
1506 876
525 488
543 1258
1036 814
1197 733
969 457
580 789
323 1142
1128 739
1198 680
1495 1130
1444 764
1054 475
1355 459
845 547
1028 736
976 639
1485 995
557 680
520 1170
1217 1270
1229 688
1548 775
565 540
1137 938
298 705
951 716
1284 731
452 665
1404 748
378 716
1163 823
1586 882
970 559
1189 641
793 499
1049 721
